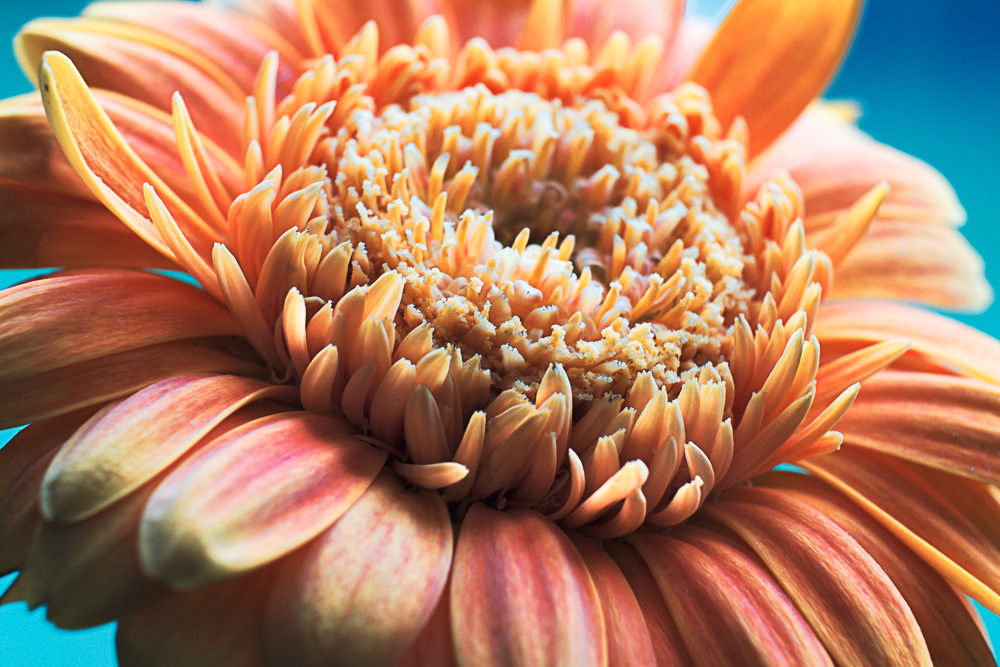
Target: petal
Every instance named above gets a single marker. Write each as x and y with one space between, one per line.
770 59
918 515
958 428
852 605
938 343
112 170
88 573
135 440
42 228
253 495
499 23
834 163
668 647
725 603
595 20
69 318
948 624
99 380
627 636
915 261
343 19
362 591
214 626
433 647
521 594
141 64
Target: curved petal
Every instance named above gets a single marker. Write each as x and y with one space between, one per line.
521 594
88 573
726 604
68 388
958 429
937 343
70 318
847 598
915 261
141 64
947 622
213 626
499 23
434 646
918 515
361 592
253 495
771 58
135 440
834 163
668 647
627 635
41 228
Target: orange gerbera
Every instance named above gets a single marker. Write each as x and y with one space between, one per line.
509 313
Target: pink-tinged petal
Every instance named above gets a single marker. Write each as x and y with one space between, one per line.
361 592
252 496
499 23
915 261
627 635
96 381
834 164
69 318
595 20
726 604
938 343
918 515
31 154
124 447
218 35
398 20
848 599
770 58
433 647
948 624
668 647
88 573
143 65
101 156
693 35
42 228
958 430
214 626
521 594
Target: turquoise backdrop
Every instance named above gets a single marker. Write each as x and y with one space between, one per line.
926 74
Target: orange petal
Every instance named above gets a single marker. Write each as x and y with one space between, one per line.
253 495
726 605
140 437
834 164
112 170
948 423
214 626
141 64
627 636
914 512
499 23
949 626
88 573
340 20
850 602
595 20
770 59
521 594
938 343
42 228
915 261
433 647
98 380
361 592
668 647
70 318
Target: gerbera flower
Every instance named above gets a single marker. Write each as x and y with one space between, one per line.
508 313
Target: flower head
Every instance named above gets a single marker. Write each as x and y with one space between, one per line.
508 313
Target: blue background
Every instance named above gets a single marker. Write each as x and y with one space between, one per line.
926 74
